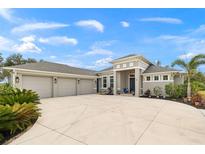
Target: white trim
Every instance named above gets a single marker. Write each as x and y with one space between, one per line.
167 77
161 72
129 68
47 73
109 80
160 81
156 76
131 64
106 82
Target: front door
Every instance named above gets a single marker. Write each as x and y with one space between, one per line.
132 84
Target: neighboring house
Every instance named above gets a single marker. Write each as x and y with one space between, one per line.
133 72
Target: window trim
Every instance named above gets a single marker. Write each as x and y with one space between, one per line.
156 76
103 81
149 78
112 77
167 77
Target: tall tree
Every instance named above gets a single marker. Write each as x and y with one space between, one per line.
190 68
1 59
12 60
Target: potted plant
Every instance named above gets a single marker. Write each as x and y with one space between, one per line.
157 91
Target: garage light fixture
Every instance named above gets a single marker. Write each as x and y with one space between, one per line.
17 79
78 81
55 80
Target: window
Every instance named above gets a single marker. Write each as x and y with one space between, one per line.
111 81
148 78
156 78
165 77
118 66
131 64
124 65
104 82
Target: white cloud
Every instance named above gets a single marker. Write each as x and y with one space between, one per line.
163 20
91 24
52 57
102 44
27 45
187 56
58 40
181 43
38 26
125 24
100 63
30 38
6 14
99 52
98 48
5 43
103 62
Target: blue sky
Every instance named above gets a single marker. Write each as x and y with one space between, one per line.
91 38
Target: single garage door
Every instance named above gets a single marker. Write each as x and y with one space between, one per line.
42 85
66 87
86 87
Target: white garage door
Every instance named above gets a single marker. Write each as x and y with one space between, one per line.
42 85
66 87
86 87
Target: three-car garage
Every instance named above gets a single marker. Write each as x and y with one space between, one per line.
53 80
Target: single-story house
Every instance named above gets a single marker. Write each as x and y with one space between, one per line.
132 72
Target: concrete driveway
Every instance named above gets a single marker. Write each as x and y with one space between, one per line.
97 119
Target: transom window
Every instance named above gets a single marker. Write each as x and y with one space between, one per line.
111 81
104 82
165 77
156 78
124 65
148 78
131 64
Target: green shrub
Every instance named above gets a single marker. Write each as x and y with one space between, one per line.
17 117
18 96
197 86
5 89
1 137
175 91
157 91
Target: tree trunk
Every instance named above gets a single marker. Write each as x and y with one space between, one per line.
189 89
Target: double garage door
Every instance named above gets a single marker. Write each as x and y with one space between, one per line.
65 86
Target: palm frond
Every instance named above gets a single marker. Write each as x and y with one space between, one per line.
196 61
180 63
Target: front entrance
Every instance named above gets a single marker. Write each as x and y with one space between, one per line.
132 84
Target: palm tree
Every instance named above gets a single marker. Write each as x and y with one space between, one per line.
190 68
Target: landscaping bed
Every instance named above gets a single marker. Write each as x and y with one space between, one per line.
18 111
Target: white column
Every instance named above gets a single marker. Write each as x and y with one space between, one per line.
115 83
137 82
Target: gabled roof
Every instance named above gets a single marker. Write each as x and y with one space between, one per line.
106 69
153 69
131 56
54 67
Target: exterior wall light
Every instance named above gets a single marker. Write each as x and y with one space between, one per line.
55 80
17 79
78 81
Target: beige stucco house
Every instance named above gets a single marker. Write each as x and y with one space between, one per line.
132 72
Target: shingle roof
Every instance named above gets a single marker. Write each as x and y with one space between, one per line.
154 69
106 69
55 67
132 56
127 56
